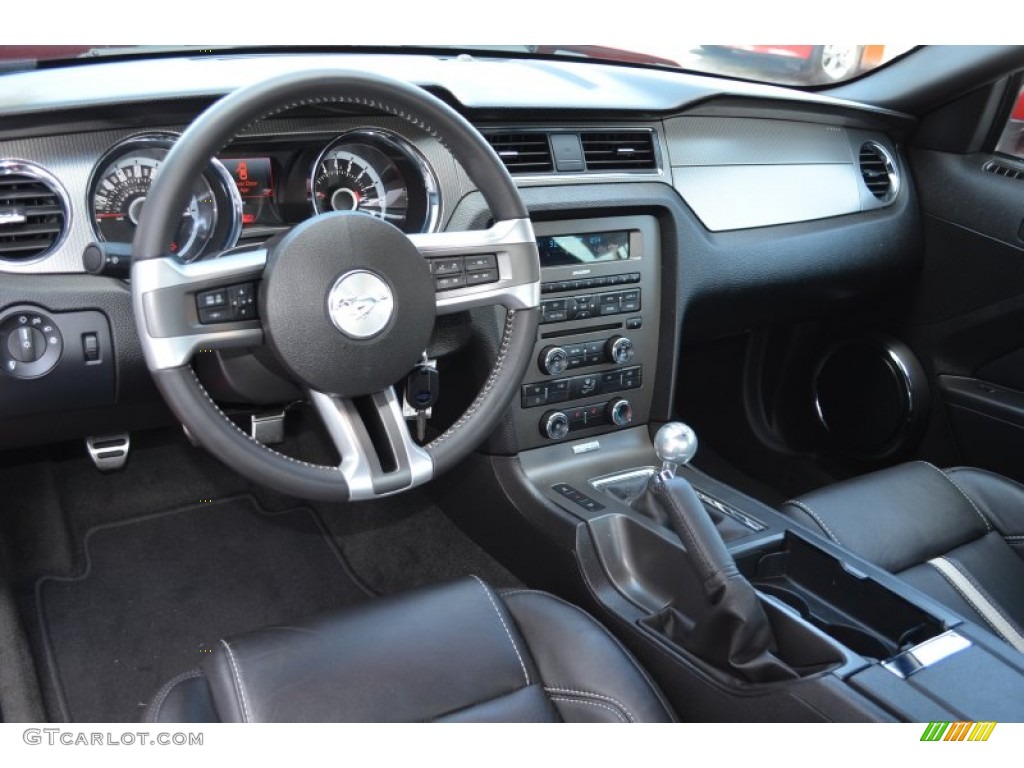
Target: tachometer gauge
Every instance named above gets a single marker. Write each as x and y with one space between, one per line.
379 174
120 184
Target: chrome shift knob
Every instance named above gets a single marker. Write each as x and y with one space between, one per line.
675 443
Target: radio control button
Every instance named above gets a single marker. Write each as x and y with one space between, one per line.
619 350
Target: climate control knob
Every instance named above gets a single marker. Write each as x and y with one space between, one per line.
619 412
554 425
553 360
619 350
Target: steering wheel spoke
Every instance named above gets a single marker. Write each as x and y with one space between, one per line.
378 454
512 281
187 308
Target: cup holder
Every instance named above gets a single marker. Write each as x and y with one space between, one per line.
852 608
859 641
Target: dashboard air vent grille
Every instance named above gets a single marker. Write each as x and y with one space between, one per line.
33 212
618 150
1003 170
878 169
523 152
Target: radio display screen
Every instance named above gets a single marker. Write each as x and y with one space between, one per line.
563 250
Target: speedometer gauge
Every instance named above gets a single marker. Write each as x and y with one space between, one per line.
379 174
121 182
346 181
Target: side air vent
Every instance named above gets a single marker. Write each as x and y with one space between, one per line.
618 150
878 169
33 212
1003 170
523 152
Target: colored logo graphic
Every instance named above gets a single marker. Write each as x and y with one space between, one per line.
958 731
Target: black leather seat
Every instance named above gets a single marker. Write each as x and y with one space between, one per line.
459 652
957 535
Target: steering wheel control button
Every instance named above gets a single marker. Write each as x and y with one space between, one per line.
481 263
451 273
227 305
30 345
208 299
360 304
242 299
444 267
482 277
212 316
449 282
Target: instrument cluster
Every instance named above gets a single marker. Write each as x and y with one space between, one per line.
255 189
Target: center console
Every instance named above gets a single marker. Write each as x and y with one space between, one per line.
594 357
858 643
854 642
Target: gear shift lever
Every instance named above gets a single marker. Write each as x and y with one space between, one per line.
733 631
675 443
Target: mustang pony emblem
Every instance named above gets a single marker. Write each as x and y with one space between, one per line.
360 304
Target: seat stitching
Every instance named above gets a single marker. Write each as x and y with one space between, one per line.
984 593
934 563
815 518
654 689
988 525
613 710
963 595
239 687
163 693
593 694
508 632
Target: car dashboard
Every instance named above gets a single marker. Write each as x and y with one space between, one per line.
669 211
706 170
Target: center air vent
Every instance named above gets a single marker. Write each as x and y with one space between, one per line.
618 150
33 212
523 152
1000 169
878 170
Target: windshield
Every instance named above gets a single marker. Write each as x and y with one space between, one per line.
799 65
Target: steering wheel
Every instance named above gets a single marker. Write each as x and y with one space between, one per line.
346 302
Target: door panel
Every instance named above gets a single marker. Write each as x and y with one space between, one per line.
966 319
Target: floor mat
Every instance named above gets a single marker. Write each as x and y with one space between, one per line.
159 591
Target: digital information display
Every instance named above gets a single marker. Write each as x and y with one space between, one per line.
254 177
563 250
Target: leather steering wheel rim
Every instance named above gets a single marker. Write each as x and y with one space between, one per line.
177 383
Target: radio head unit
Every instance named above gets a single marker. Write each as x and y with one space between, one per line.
596 346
